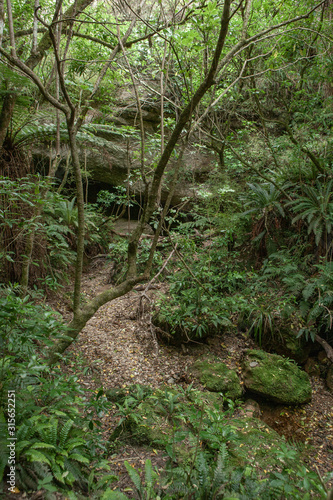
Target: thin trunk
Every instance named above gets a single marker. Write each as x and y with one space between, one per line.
2 20
11 29
169 148
80 210
6 115
35 29
138 103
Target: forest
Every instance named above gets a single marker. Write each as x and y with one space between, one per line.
166 245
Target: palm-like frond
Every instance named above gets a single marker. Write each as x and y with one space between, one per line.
264 198
316 209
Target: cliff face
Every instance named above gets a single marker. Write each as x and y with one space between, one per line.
110 149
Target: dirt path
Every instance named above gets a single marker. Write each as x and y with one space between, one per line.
118 350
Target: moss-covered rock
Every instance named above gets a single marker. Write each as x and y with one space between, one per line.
254 442
276 378
217 377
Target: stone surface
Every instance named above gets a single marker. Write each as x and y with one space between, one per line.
275 378
217 377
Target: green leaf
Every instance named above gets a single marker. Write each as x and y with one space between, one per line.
113 495
37 456
79 458
134 476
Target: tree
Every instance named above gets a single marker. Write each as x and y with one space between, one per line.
244 34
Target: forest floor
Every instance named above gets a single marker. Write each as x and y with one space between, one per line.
118 348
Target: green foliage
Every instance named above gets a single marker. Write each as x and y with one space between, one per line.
317 303
264 200
24 327
208 469
316 209
58 444
144 489
117 200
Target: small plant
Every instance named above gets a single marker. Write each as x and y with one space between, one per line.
316 209
144 488
265 201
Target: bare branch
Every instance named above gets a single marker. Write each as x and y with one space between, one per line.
34 78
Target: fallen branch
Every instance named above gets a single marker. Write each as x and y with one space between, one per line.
328 349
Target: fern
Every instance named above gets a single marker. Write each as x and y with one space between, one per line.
134 477
75 471
79 458
37 456
64 432
113 495
74 443
315 208
38 446
202 469
149 475
26 478
263 199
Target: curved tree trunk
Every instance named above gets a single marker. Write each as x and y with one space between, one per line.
81 316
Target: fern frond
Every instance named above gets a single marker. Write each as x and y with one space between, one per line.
74 443
79 458
25 478
75 470
134 476
148 473
219 475
37 456
202 468
64 432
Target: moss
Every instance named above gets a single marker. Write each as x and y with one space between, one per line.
254 442
276 378
217 377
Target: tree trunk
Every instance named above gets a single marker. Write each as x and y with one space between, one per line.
6 115
81 316
87 312
35 58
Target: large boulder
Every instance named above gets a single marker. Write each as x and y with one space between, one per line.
275 378
217 377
